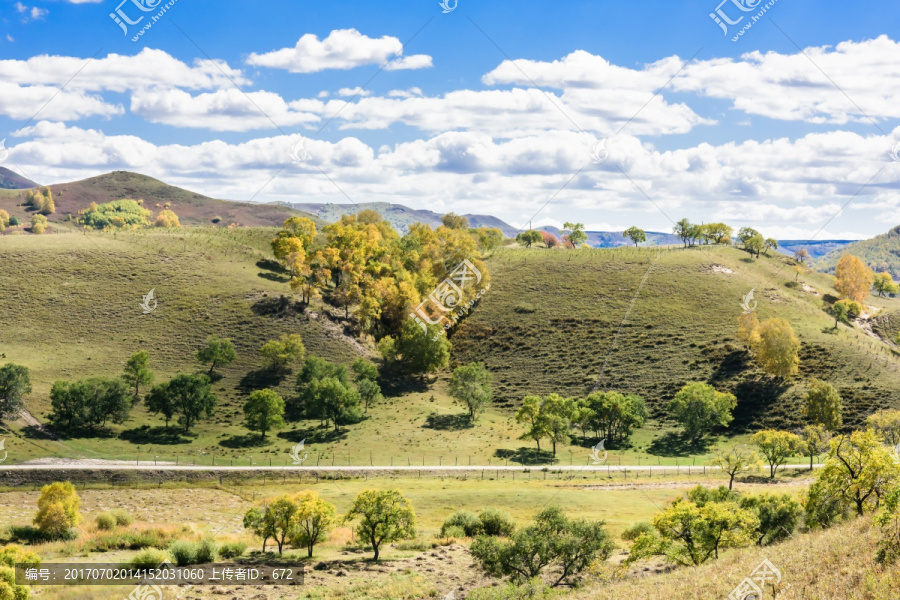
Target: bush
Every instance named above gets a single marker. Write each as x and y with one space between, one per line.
148 559
183 553
123 517
105 522
232 549
129 540
535 589
207 551
453 531
216 219
636 530
462 520
496 523
14 222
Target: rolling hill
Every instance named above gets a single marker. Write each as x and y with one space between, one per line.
192 208
10 180
881 253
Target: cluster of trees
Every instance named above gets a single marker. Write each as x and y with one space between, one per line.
573 236
772 343
753 241
694 528
38 223
611 415
325 391
361 263
41 200
15 384
304 520
7 221
708 233
126 213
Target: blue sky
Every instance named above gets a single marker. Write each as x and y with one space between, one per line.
493 107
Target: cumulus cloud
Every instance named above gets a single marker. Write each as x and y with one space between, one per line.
342 49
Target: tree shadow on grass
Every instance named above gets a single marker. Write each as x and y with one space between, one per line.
313 435
82 432
760 396
161 435
677 444
250 440
394 384
36 433
456 422
731 365
526 456
276 307
274 277
261 379
270 265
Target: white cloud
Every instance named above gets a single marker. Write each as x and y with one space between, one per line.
342 49
23 102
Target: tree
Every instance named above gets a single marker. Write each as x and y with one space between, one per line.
692 530
574 234
218 352
530 413
845 310
261 523
549 240
416 351
137 371
4 219
489 238
748 329
699 407
264 411
10 556
454 221
192 397
385 516
89 402
755 244
735 461
314 370
815 441
58 509
778 515
823 405
770 243
333 400
853 279
801 255
286 349
719 232
471 385
858 472
38 224
167 218
612 415
552 542
778 348
15 384
746 233
160 401
312 521
886 423
777 447
635 234
883 283
527 238
366 378
683 230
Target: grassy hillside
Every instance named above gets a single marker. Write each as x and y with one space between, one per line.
881 253
550 322
555 320
191 208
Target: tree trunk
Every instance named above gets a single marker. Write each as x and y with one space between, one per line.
375 548
730 482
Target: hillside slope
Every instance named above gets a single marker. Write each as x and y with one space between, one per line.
191 208
10 180
881 253
553 321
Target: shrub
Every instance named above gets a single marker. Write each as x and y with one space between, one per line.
14 222
38 224
534 589
636 530
123 517
232 549
496 523
207 551
167 218
105 522
183 553
57 509
216 219
148 559
465 521
453 531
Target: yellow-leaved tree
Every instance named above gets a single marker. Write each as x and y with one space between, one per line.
853 279
777 348
57 509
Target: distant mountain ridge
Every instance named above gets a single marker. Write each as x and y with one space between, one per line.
881 253
10 180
